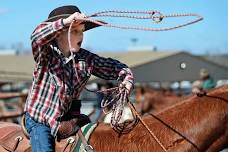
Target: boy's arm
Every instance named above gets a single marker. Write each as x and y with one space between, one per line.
111 69
44 33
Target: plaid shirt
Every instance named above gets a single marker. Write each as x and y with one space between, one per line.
54 79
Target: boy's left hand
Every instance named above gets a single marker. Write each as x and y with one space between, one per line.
78 17
127 85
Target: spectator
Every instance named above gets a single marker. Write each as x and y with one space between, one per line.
207 81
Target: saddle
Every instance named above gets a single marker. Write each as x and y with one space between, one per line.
72 121
13 139
16 139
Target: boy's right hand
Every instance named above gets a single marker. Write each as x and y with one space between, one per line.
78 17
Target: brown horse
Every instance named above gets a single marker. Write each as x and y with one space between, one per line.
196 124
193 125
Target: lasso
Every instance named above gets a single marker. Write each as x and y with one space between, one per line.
115 99
156 16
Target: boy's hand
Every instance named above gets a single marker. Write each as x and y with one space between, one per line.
74 17
127 85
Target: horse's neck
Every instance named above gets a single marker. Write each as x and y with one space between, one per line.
198 119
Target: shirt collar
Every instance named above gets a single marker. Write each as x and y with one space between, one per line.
65 59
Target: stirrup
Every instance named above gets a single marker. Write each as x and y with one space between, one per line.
89 148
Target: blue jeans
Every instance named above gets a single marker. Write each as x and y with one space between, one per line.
40 135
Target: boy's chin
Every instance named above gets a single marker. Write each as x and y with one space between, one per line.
75 49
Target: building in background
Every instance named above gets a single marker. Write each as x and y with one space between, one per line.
158 68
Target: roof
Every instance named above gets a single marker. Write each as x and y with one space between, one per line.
135 58
165 66
219 59
14 68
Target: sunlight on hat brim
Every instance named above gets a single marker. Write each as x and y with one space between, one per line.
88 25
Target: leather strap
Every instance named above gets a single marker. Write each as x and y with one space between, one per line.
88 147
24 130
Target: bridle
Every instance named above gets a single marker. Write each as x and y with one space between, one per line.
116 98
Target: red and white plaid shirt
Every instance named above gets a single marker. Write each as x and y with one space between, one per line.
54 80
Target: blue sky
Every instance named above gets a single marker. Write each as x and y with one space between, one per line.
17 21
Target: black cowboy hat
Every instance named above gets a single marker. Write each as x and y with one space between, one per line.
66 11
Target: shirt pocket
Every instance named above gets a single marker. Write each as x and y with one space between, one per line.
83 70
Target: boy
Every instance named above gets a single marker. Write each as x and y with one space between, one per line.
56 88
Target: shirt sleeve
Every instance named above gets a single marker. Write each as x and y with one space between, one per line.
43 34
111 69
